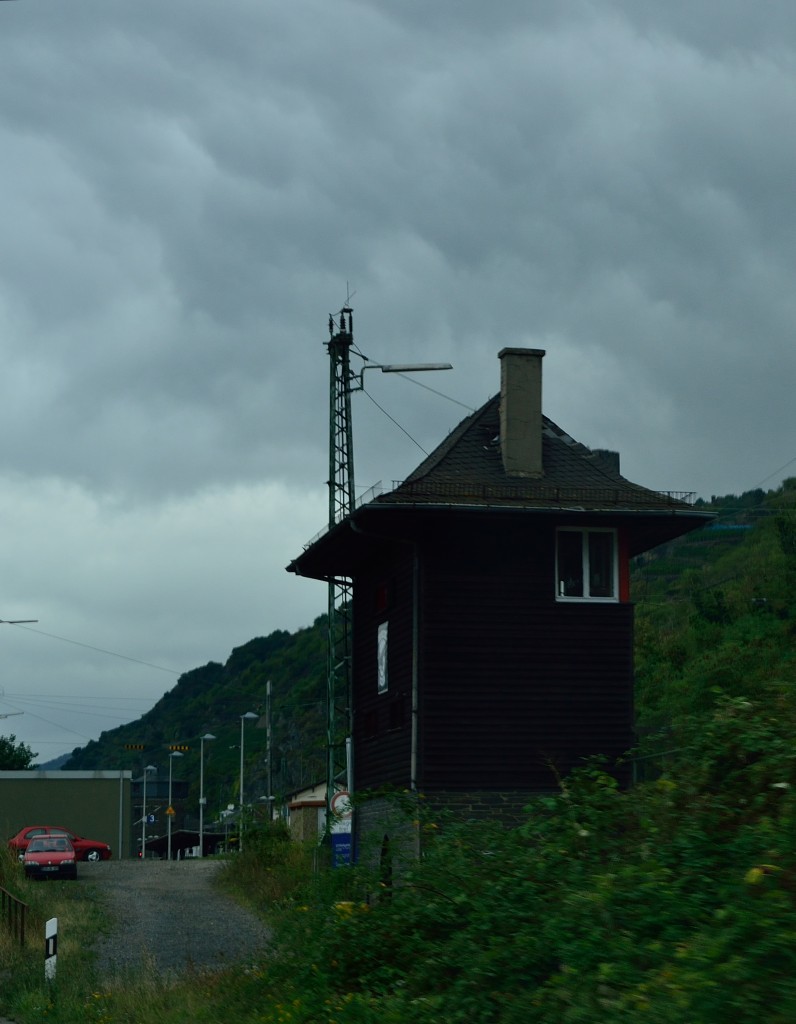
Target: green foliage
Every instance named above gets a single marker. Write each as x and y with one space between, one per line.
271 870
212 699
14 756
675 901
720 619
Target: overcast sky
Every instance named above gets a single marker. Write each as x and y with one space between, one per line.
188 188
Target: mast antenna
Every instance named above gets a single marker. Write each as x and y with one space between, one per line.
343 381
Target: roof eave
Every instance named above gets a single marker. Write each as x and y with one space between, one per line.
316 553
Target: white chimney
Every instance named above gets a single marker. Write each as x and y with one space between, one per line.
521 411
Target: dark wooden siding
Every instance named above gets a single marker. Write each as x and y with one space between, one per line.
382 722
514 687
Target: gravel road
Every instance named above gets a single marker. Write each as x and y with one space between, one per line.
168 917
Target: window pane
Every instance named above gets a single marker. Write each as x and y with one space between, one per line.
601 565
570 564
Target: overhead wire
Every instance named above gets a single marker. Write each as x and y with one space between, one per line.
100 650
395 422
60 706
47 721
425 387
434 391
87 711
776 471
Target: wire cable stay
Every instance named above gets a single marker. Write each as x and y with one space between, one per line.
100 650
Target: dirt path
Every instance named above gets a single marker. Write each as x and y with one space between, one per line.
169 917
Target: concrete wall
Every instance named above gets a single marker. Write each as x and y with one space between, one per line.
95 805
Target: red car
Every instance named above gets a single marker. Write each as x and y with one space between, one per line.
50 857
85 849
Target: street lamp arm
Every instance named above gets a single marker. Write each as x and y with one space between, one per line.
411 367
395 368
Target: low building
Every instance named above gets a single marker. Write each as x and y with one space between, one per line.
306 812
94 804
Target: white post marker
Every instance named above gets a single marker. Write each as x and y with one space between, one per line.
50 948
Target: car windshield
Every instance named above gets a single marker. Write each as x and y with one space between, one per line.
50 844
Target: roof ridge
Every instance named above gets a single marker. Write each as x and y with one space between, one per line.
468 462
436 456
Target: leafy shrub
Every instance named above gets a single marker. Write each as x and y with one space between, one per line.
671 902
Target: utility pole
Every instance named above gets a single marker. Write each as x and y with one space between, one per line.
342 382
341 505
268 754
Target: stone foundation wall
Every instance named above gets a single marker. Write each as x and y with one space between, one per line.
507 807
389 831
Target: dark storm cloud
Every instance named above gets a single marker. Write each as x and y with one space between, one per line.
583 171
188 189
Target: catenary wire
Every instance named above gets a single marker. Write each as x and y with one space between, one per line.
100 650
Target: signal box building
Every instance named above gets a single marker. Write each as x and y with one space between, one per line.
492 623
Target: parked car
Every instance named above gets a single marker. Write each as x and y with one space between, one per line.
85 849
50 857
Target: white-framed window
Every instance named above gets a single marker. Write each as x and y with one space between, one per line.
587 567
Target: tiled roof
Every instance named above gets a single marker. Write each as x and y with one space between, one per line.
467 469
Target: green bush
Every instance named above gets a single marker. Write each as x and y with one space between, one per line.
672 902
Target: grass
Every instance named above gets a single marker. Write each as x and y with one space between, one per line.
673 902
139 996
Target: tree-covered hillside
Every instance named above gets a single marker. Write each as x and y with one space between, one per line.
715 613
212 699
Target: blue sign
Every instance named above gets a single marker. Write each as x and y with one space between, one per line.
341 849
150 819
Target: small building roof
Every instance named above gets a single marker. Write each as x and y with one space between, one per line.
467 469
466 474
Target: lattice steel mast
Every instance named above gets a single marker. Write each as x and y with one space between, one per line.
342 382
341 504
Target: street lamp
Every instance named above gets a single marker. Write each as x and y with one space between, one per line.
170 809
202 800
248 716
149 768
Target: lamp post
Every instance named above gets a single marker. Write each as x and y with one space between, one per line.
268 738
202 799
170 809
149 768
248 716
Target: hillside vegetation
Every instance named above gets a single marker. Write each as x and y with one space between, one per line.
715 611
716 614
212 699
672 902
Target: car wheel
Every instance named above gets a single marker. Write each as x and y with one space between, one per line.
93 855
